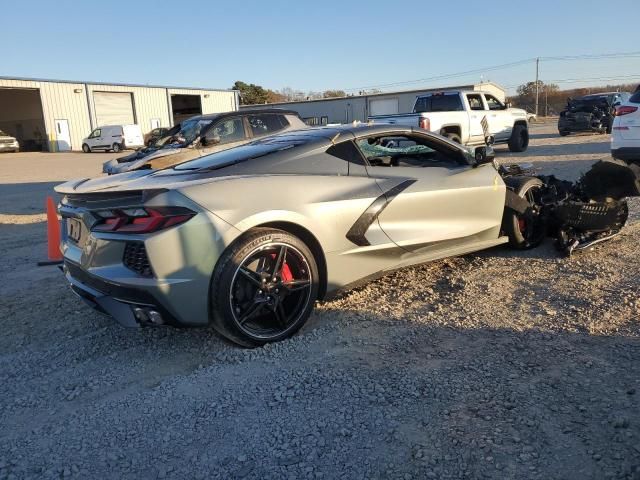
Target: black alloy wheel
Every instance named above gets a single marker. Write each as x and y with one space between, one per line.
263 288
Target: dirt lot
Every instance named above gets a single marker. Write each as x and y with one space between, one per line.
500 364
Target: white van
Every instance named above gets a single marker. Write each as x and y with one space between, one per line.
114 138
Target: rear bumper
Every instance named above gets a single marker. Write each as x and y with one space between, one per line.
626 153
117 301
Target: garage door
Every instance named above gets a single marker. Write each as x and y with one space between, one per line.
383 106
113 108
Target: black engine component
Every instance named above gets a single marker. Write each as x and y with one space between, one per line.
586 212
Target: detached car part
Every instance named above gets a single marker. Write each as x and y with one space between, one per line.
578 215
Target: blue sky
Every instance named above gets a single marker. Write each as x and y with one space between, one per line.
316 45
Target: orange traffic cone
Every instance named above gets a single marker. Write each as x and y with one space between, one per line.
53 232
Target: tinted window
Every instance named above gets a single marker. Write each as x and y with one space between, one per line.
242 153
635 98
346 151
229 130
266 123
475 102
439 103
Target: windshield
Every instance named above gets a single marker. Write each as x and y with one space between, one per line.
183 134
240 154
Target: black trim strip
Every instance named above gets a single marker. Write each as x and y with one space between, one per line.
359 228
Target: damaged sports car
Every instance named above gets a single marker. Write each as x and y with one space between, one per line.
591 113
249 238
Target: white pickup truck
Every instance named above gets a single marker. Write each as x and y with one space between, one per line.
467 117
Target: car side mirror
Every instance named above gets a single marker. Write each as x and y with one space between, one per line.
484 154
210 141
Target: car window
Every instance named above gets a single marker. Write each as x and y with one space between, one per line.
266 124
408 151
493 103
229 130
448 102
475 101
635 98
96 133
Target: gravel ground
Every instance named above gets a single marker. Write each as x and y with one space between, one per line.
500 364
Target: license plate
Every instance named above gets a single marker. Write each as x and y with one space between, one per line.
74 229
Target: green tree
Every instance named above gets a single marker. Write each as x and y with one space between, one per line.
333 93
251 94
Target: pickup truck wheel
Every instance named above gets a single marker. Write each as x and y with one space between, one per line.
454 137
525 230
519 140
563 133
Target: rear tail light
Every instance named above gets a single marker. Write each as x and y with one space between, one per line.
425 123
625 110
141 220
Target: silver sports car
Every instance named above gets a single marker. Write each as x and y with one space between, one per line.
249 238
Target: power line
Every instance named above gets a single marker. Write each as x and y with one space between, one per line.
445 76
499 67
577 80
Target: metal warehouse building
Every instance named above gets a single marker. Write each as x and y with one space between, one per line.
56 115
360 107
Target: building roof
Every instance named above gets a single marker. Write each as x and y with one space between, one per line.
397 92
115 84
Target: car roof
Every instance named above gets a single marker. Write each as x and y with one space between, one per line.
256 111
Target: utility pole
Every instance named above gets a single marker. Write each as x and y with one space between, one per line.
537 85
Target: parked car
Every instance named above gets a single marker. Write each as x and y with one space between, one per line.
247 239
151 137
8 143
113 138
625 135
531 117
205 134
466 117
590 113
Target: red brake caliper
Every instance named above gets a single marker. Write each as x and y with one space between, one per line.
287 276
522 225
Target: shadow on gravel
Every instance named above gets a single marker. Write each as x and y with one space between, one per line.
26 198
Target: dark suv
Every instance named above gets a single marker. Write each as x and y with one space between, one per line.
205 134
591 113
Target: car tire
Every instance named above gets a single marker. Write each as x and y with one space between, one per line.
519 140
524 231
563 133
454 137
86 148
116 147
250 308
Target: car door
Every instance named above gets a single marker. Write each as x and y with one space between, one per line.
94 140
435 200
477 112
500 120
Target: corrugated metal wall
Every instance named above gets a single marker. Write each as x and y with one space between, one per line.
59 102
348 109
212 102
74 102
